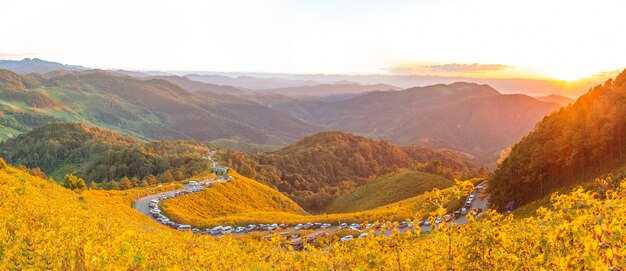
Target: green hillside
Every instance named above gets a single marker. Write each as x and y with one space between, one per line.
101 155
149 109
386 190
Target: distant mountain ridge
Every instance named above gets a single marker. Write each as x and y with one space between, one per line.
330 89
249 82
36 65
553 98
153 108
468 117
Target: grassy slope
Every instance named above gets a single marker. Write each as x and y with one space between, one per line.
237 198
386 190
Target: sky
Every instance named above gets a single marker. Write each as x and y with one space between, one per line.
566 40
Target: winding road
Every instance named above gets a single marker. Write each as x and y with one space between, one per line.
142 206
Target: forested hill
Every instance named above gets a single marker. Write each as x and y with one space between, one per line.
316 169
151 109
100 155
579 142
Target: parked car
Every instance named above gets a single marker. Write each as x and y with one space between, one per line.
251 227
369 226
421 223
298 227
195 230
346 238
325 226
216 230
227 229
456 214
316 226
403 224
240 229
363 235
438 220
463 211
343 225
283 226
426 222
447 218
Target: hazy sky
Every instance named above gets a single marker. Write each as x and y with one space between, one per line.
556 39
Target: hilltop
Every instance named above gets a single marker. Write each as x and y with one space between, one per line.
319 167
577 143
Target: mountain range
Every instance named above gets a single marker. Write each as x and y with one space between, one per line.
473 118
153 108
36 65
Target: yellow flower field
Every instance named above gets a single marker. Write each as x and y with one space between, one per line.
46 227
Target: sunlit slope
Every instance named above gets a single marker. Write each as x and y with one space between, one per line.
578 143
44 226
238 198
386 190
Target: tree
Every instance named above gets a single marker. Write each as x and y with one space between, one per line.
151 179
93 186
144 183
74 183
134 182
179 175
166 177
125 183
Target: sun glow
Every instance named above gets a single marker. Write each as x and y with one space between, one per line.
570 75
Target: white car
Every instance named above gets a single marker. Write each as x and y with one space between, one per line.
343 226
227 229
363 235
427 222
184 227
438 220
216 230
346 238
298 227
240 229
325 226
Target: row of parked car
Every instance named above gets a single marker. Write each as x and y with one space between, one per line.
221 230
156 212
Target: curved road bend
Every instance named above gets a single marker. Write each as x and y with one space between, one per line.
142 205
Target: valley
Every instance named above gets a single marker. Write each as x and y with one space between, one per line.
127 158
